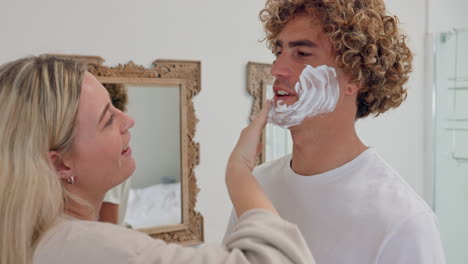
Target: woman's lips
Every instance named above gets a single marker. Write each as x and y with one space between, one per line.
127 151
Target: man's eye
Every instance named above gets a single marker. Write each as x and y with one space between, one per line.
303 54
111 120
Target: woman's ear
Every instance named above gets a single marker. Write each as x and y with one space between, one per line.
63 170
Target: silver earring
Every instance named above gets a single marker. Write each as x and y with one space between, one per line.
71 180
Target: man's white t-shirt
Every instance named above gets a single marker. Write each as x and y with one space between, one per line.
362 212
119 195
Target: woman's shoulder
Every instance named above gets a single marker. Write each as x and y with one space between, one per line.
71 241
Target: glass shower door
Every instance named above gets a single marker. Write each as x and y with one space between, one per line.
451 143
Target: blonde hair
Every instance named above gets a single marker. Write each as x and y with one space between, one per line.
39 99
367 42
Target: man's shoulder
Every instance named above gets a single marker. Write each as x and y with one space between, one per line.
393 197
387 195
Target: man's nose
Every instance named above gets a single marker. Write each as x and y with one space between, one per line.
281 67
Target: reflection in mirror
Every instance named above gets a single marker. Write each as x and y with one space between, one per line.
154 197
278 140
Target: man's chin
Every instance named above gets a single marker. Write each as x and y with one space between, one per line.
311 121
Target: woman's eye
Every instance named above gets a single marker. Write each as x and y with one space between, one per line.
111 119
277 54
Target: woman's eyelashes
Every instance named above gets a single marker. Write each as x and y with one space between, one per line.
111 120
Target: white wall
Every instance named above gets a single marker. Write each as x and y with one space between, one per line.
447 14
224 36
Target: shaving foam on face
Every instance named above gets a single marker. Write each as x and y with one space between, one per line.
318 91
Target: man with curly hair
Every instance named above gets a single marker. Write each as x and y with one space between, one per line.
351 206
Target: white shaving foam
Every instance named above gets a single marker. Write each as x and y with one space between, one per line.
318 91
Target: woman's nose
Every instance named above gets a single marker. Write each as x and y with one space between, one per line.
128 123
131 122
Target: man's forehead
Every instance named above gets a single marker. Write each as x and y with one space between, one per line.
301 30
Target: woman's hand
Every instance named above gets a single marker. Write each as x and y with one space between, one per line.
248 146
243 188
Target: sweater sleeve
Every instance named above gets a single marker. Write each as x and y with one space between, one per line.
259 237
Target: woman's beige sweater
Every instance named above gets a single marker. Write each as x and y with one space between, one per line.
259 237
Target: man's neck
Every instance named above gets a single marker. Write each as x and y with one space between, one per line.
324 147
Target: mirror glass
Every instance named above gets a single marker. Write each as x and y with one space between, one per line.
154 193
278 141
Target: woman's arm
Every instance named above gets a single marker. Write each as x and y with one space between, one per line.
243 188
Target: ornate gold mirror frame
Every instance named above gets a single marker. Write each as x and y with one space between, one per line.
186 75
258 79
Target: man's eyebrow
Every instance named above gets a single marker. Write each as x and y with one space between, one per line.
104 112
297 43
306 43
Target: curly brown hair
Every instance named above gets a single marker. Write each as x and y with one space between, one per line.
367 42
118 95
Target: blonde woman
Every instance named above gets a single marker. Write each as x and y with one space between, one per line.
63 145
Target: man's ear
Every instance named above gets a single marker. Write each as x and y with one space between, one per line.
63 170
351 89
